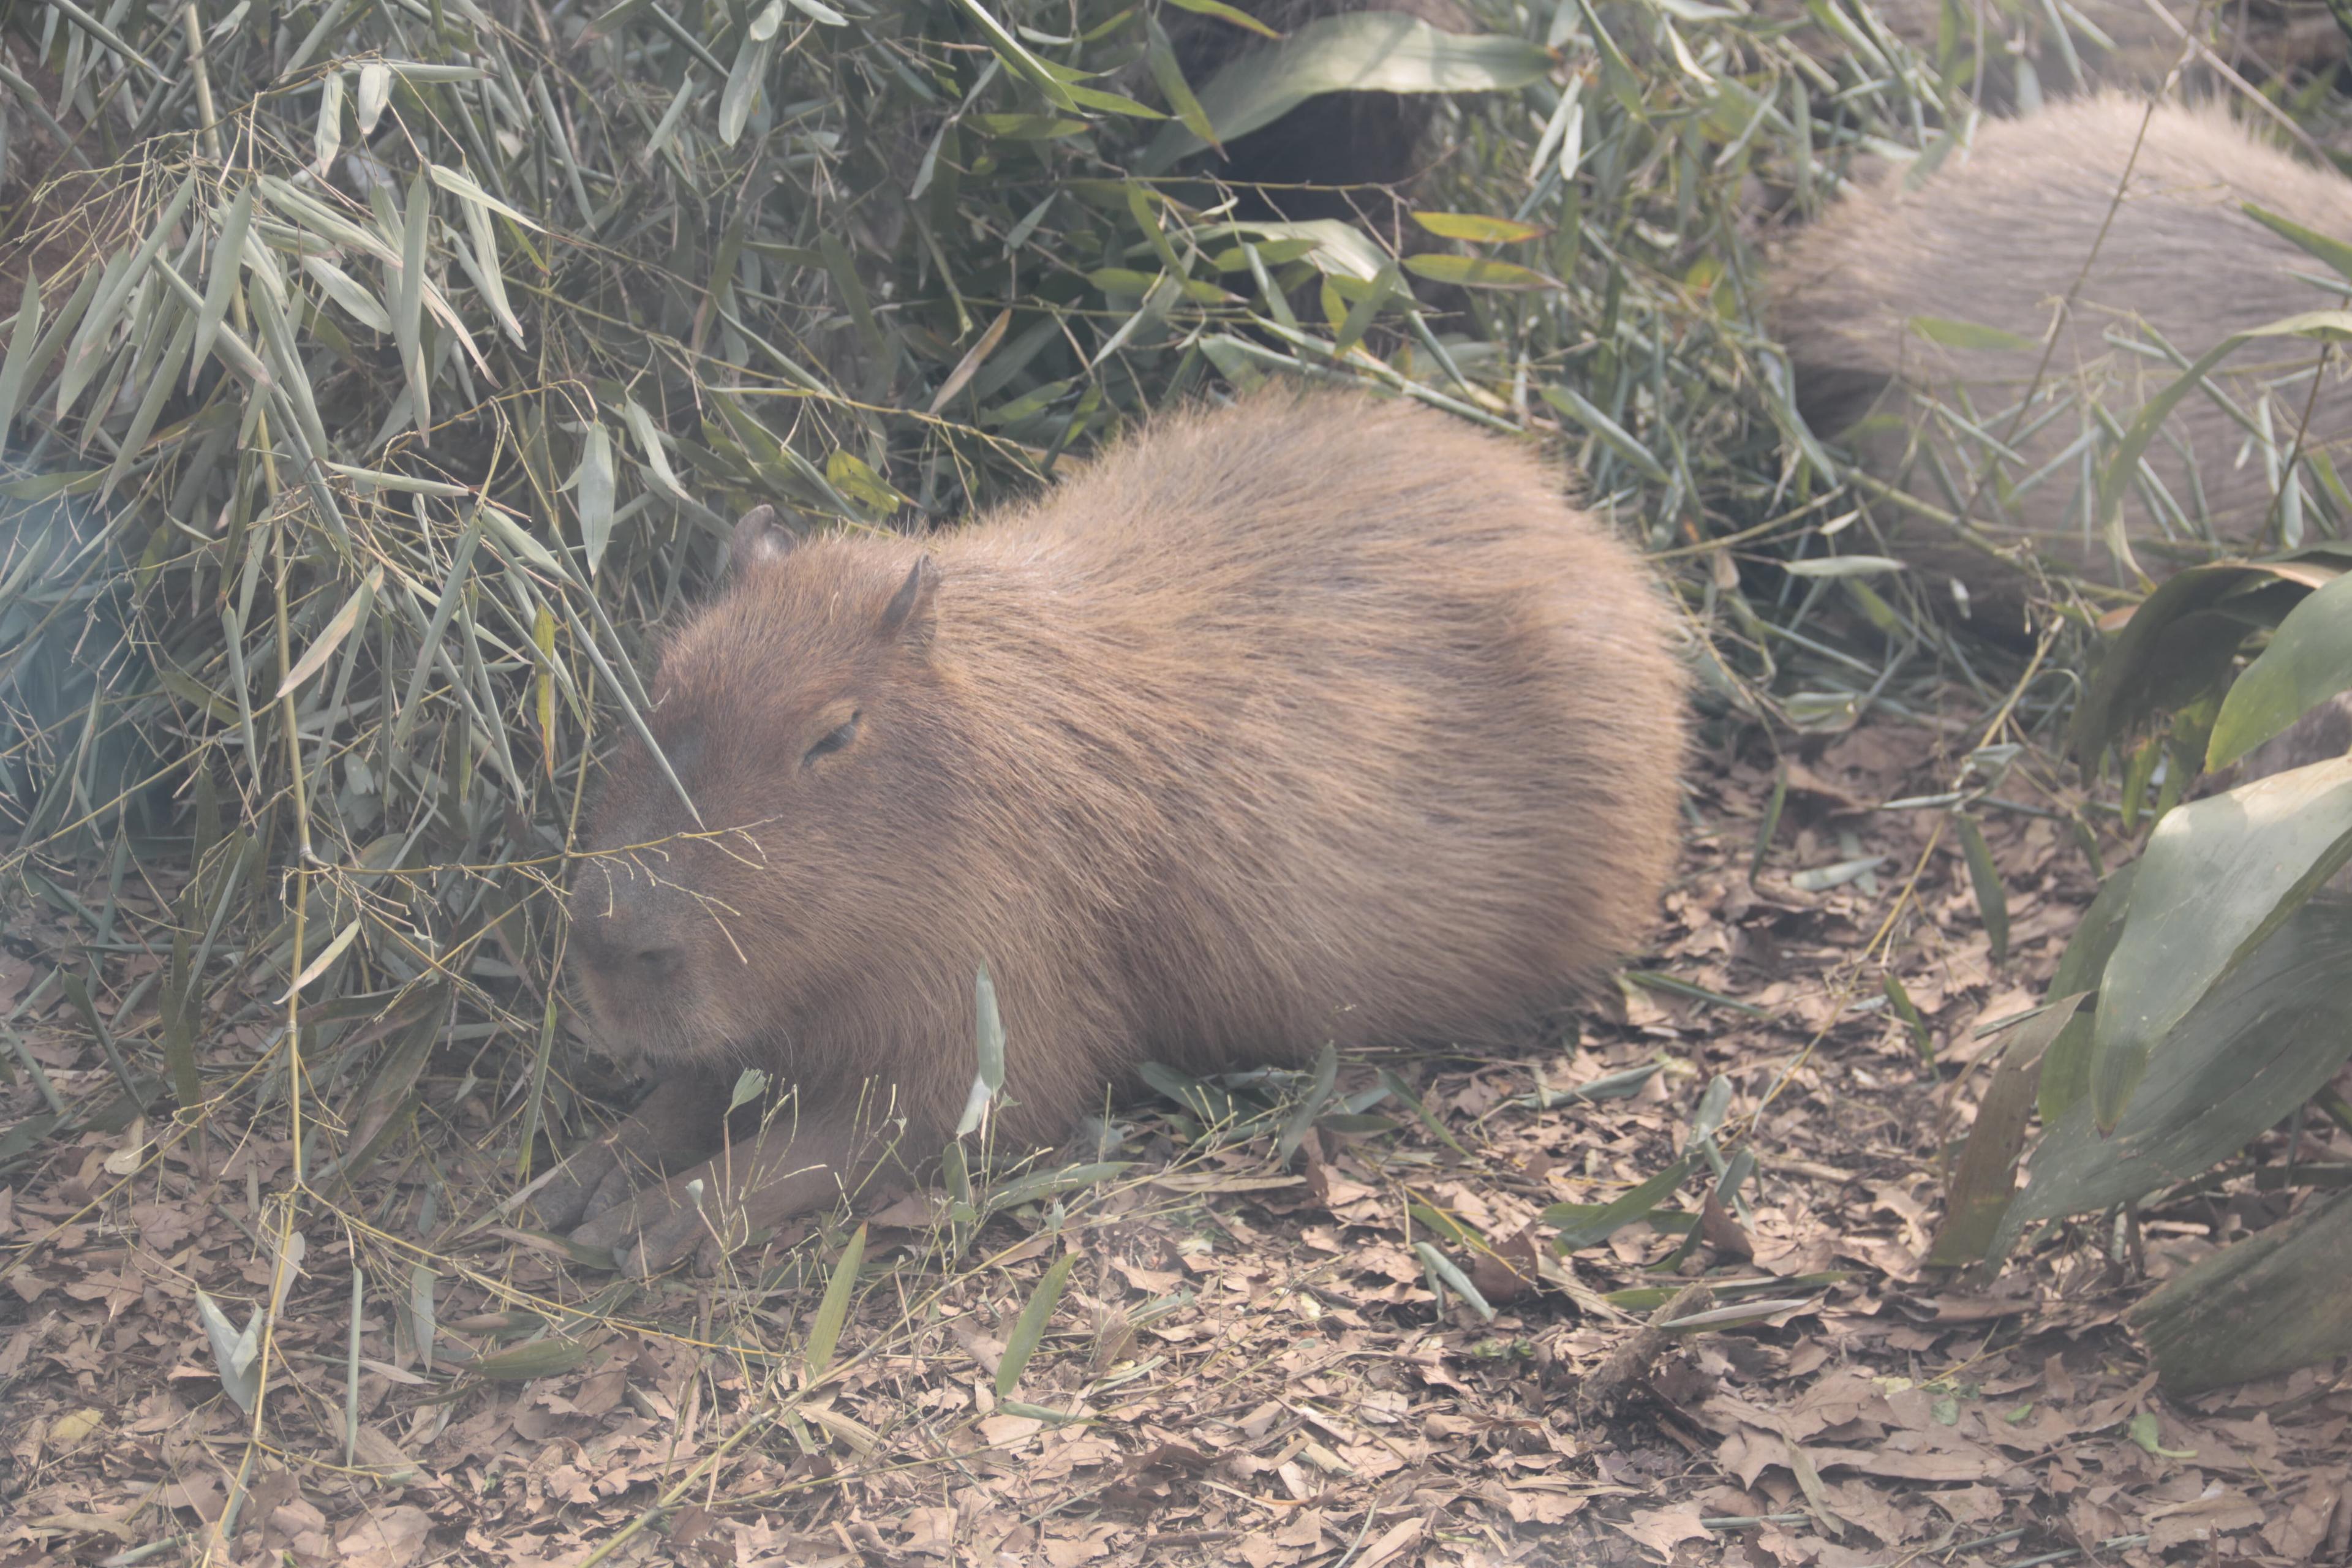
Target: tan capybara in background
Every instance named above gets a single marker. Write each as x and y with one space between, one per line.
1339 155
1316 718
1997 238
2125 43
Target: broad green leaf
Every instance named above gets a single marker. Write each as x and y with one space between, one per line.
1370 51
1969 335
2180 641
376 92
2309 660
1477 229
468 190
1478 272
649 441
2066 1064
2261 1043
492 282
743 79
988 1041
235 1355
1029 1327
221 281
2270 1303
594 479
849 474
2218 878
833 1311
349 292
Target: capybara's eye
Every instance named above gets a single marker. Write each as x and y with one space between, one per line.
831 742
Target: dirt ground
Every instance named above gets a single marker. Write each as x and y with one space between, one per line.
1247 1364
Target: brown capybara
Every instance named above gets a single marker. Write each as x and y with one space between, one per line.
1997 238
1313 719
1339 154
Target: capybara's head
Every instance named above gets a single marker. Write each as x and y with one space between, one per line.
796 712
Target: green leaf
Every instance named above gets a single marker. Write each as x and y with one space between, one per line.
2327 248
833 1311
1310 1105
408 306
1581 1227
2218 878
327 140
1615 436
1224 13
1159 56
317 654
1986 1176
1477 229
235 1355
529 1362
346 291
1029 1327
2309 660
1969 335
849 474
988 1043
1478 272
2066 1064
2259 1044
595 499
1368 52
2268 1304
1984 876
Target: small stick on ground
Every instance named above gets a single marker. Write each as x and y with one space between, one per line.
1629 1363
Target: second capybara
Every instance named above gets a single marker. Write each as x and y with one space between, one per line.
1880 306
2117 43
1312 719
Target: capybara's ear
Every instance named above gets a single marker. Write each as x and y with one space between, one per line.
908 616
756 539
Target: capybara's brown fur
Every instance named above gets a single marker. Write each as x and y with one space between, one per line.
1315 718
1997 238
1339 154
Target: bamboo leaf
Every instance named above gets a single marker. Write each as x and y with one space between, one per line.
1029 1327
833 1311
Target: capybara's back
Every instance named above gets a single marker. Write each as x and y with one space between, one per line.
1313 719
1997 239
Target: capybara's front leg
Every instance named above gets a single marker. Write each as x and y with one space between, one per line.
751 1186
678 1124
